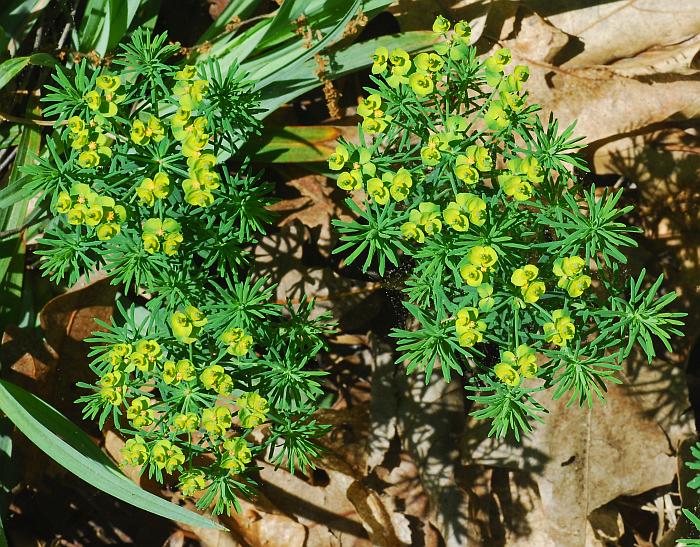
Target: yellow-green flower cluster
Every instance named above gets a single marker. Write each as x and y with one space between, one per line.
124 359
237 341
162 235
140 412
216 421
82 205
201 181
455 45
514 365
189 89
187 324
105 99
509 88
191 131
90 140
166 455
163 454
470 330
154 188
187 422
522 174
425 71
143 356
561 329
192 482
360 167
175 372
252 409
374 119
431 154
422 221
111 387
214 377
466 208
475 160
395 185
571 276
480 260
147 130
135 451
525 279
236 455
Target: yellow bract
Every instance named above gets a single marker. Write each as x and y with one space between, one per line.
336 161
421 84
513 365
524 278
187 423
483 257
192 482
422 221
465 209
441 25
216 421
472 275
507 374
470 330
237 340
166 455
214 377
180 371
143 132
379 60
140 412
560 330
186 325
135 451
571 276
251 409
165 232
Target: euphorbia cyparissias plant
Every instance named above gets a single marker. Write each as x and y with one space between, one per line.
202 354
515 276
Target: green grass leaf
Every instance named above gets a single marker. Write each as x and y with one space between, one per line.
13 217
3 539
287 85
297 143
71 448
10 68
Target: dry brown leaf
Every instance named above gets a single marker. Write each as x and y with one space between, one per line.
323 508
430 423
31 360
281 257
384 404
66 321
604 32
584 458
320 202
668 58
257 526
609 31
604 102
690 498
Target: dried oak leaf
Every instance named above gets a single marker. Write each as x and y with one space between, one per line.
583 458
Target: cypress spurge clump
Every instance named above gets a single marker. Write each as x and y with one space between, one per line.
515 270
135 180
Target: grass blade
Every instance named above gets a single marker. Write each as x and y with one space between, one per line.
71 448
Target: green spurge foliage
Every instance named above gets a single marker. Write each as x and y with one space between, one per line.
694 483
133 177
514 269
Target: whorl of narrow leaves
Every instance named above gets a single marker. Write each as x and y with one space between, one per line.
513 270
134 179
